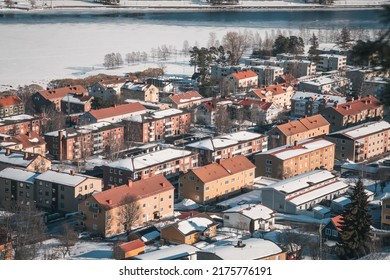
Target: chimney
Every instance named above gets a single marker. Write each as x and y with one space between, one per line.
162 184
71 172
109 201
8 152
60 136
26 155
295 143
218 161
335 105
130 183
28 133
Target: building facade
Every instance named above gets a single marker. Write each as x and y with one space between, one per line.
11 106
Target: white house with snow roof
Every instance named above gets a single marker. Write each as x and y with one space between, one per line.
302 192
190 231
249 217
178 252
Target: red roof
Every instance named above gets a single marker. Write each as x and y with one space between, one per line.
356 106
248 102
302 125
244 74
140 189
132 245
62 92
337 222
188 214
10 101
189 96
117 110
27 140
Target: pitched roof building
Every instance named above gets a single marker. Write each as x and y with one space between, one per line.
10 106
29 142
184 100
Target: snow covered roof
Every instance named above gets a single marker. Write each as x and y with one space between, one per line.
95 126
17 118
241 136
249 197
150 159
169 253
65 133
301 95
194 224
321 209
318 193
61 178
301 181
72 99
18 175
186 204
15 159
364 129
262 181
166 113
254 212
255 248
342 200
150 236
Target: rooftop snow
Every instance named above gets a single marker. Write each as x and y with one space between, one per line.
255 248
194 224
61 178
18 175
321 209
254 212
166 113
292 151
95 126
250 197
318 193
364 129
264 181
300 181
342 200
71 99
170 253
14 159
150 236
241 136
64 133
150 159
16 118
301 95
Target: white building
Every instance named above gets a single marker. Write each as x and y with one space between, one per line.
249 217
331 62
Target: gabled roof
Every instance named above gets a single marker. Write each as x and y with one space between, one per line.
186 97
254 212
27 140
356 106
237 164
61 92
18 158
198 223
17 174
244 74
132 245
140 189
337 222
302 125
108 83
117 110
362 130
63 178
249 102
10 101
277 89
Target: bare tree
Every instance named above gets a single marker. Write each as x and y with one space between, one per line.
68 238
213 41
129 212
186 47
113 146
235 44
222 120
26 230
25 94
52 119
9 3
33 3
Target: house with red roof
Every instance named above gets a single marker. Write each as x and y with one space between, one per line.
354 112
187 99
113 114
45 98
332 229
30 142
241 80
107 89
279 94
10 106
107 213
129 249
257 111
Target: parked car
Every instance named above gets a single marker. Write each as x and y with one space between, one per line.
386 162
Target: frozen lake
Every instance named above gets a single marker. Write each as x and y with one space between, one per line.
40 46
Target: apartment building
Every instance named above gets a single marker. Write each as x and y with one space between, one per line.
81 142
11 106
324 84
17 187
290 160
297 68
257 111
298 130
354 112
302 192
385 220
158 125
215 181
107 89
18 124
30 142
25 160
267 74
140 91
310 103
107 213
48 97
361 142
187 99
218 72
331 62
76 104
280 94
228 145
241 80
62 192
169 162
113 114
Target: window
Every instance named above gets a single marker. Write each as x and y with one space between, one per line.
86 203
94 227
268 169
197 188
80 189
62 188
162 199
268 161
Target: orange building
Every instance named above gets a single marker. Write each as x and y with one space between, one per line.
184 100
18 124
242 80
287 161
10 106
217 180
29 142
130 249
104 213
345 115
292 131
279 94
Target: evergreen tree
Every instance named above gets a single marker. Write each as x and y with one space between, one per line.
354 233
280 45
344 40
296 45
314 45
